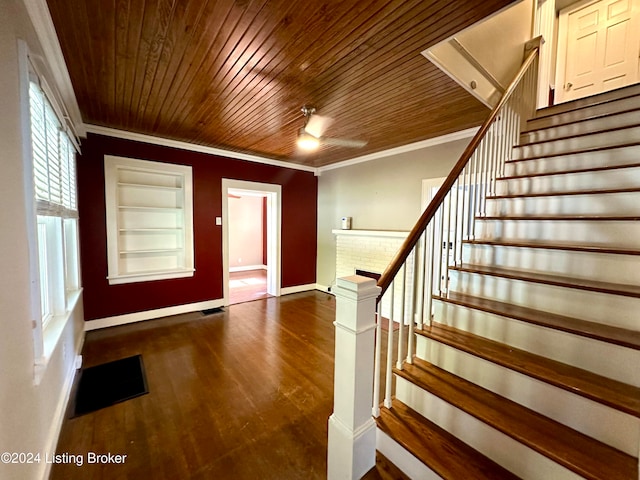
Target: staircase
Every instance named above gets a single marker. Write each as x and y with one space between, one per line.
530 367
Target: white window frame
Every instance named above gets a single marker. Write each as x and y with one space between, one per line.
52 261
170 251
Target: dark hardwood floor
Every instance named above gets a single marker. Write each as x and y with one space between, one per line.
241 394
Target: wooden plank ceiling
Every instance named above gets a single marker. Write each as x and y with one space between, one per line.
235 74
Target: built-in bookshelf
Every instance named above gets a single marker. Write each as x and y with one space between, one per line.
149 220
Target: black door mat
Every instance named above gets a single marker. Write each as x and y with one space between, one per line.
110 383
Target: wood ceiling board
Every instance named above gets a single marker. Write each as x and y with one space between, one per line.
234 74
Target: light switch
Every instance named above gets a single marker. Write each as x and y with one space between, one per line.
218 220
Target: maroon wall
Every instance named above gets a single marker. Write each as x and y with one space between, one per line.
299 197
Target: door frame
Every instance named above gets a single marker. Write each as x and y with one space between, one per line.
273 194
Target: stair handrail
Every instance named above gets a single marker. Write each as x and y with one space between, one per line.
419 228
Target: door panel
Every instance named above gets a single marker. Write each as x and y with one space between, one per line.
601 47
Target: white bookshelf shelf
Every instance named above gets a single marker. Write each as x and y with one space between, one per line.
149 220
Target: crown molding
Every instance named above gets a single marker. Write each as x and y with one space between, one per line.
38 12
450 137
165 142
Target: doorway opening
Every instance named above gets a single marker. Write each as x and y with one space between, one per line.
250 240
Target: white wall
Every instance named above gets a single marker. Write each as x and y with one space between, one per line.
29 415
381 194
245 231
496 43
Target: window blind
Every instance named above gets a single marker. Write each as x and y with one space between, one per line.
53 159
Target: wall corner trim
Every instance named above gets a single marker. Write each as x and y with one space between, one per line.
149 314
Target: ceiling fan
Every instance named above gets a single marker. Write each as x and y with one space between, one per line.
311 136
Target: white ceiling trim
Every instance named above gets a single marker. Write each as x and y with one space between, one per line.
165 142
43 25
450 137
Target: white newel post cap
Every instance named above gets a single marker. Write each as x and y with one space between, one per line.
351 451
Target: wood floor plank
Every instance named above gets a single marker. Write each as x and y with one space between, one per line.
563 445
241 394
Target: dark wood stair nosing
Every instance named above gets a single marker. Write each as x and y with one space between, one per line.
564 193
605 250
566 377
445 454
604 333
577 135
553 280
582 103
570 172
548 437
598 116
574 152
551 218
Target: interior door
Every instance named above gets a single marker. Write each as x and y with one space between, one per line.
599 47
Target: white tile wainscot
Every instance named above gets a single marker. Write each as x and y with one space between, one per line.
372 250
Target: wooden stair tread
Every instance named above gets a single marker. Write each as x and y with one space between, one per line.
442 452
617 395
574 152
548 279
595 116
384 469
571 449
560 193
605 333
602 218
577 135
605 249
586 102
570 172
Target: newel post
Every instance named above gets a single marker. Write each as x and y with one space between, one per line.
352 430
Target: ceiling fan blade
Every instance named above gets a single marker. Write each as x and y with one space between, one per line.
343 142
317 125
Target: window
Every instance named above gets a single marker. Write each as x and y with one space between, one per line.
54 182
149 220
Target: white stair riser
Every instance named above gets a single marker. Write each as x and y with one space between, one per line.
624 269
512 455
596 140
594 125
597 158
628 177
624 234
401 458
602 358
627 203
587 112
591 418
602 308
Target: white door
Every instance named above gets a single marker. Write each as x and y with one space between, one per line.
599 47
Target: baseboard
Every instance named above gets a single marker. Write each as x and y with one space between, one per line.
323 288
61 409
246 268
297 289
150 314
